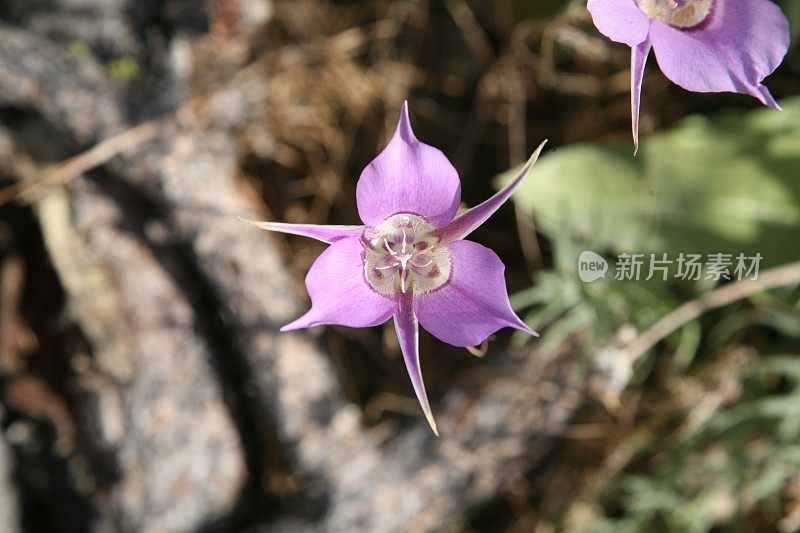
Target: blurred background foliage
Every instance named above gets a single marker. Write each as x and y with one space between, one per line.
721 444
713 423
723 184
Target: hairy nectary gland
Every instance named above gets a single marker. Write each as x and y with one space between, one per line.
678 13
401 254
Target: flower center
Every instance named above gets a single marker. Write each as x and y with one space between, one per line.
678 13
400 254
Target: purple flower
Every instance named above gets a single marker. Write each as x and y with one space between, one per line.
702 45
409 260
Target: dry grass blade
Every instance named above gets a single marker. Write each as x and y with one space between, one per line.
64 172
475 37
345 44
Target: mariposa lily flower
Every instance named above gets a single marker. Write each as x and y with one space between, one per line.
701 45
409 260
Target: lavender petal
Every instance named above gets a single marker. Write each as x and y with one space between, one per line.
742 43
339 292
620 20
408 176
639 55
473 304
468 221
328 234
407 328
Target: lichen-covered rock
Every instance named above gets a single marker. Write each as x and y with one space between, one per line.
72 94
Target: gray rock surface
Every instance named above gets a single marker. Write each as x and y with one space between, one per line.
194 385
159 410
9 511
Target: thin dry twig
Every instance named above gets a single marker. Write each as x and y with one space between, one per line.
479 351
474 36
16 338
549 75
346 44
516 147
774 278
73 167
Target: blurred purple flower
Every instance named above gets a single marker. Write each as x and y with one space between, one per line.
701 45
409 260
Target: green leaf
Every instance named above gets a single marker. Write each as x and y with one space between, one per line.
729 184
792 10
